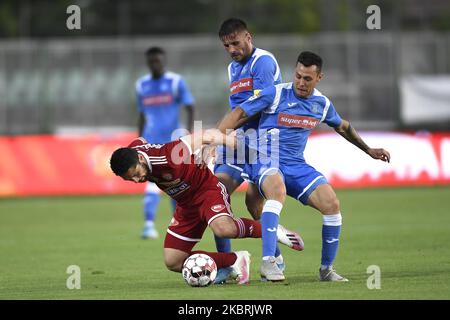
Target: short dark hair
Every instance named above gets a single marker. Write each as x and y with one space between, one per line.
155 50
308 58
123 159
231 26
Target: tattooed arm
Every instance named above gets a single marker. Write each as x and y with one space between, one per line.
350 134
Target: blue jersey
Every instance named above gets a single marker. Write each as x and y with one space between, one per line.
160 100
287 120
249 77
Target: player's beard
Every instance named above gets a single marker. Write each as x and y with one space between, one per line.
237 57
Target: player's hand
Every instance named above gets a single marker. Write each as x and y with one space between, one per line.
380 154
205 156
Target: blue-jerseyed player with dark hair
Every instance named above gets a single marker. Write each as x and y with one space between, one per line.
160 96
289 112
251 70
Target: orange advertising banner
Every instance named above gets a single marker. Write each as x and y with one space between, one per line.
79 164
61 165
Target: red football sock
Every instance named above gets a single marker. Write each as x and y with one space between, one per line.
247 228
222 259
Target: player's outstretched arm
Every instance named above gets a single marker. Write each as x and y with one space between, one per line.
211 137
215 137
350 134
233 120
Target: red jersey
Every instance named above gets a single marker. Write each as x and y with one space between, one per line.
173 170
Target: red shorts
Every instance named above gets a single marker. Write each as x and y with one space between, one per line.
189 223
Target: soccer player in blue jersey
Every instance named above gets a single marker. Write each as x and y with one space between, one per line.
251 70
289 112
160 95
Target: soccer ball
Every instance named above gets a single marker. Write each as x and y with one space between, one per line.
199 270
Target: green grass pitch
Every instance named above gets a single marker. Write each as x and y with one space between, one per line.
406 232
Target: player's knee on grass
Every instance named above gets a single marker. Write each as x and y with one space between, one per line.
224 227
173 265
174 262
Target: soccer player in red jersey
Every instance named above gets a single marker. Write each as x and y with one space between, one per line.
201 199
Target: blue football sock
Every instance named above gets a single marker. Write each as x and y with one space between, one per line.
151 201
269 226
222 244
331 230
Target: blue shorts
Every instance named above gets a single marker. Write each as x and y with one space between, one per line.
300 179
256 173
